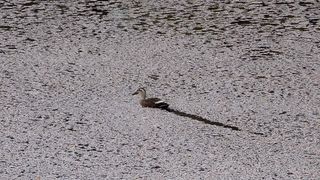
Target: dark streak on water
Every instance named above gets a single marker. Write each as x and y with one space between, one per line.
206 121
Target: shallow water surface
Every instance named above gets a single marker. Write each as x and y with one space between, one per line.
241 78
28 23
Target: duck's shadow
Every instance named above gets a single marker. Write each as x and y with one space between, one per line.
206 121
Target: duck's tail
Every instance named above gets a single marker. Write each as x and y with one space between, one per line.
162 105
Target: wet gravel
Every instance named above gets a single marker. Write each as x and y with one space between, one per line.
67 72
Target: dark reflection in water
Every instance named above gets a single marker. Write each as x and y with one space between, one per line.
225 20
207 121
199 118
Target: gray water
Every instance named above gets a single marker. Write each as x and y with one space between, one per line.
242 80
232 23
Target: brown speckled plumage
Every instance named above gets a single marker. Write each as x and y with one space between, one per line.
150 102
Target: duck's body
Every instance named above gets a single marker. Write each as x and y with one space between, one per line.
150 102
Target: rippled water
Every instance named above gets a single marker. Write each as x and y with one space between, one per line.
248 66
30 23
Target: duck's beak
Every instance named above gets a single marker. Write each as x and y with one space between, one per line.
135 93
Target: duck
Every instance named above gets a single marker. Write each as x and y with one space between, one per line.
150 102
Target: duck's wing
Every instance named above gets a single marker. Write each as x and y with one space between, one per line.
156 103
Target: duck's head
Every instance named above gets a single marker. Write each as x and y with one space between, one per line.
141 92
